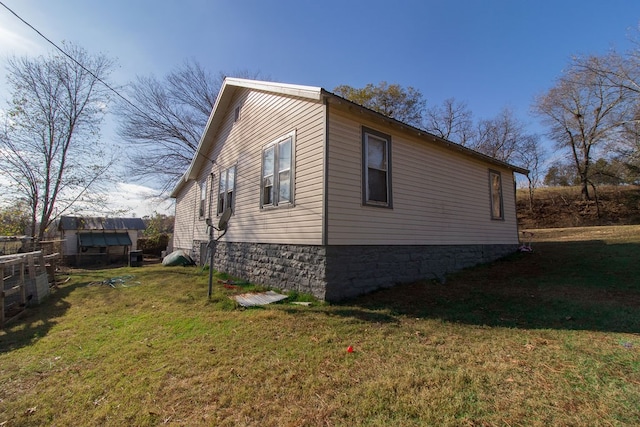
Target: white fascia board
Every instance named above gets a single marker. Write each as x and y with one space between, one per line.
179 185
222 93
309 92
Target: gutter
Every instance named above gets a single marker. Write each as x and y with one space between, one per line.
424 135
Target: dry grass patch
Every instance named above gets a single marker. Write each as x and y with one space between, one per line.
610 234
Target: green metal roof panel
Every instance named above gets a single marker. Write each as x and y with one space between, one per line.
102 239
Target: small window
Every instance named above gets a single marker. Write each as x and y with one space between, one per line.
226 189
203 198
236 115
376 168
495 184
277 172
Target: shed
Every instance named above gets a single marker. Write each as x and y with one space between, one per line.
97 240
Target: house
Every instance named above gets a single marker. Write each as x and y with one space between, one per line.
94 240
334 199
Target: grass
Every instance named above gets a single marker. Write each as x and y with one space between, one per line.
547 338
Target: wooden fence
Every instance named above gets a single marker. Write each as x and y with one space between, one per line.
24 279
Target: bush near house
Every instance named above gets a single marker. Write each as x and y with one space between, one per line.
153 245
157 235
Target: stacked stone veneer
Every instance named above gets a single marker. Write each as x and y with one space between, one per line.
292 267
355 270
334 273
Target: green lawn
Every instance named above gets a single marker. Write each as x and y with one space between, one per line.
548 338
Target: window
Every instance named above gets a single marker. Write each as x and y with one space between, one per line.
226 189
236 114
376 168
495 184
203 198
277 172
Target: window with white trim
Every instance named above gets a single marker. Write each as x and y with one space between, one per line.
495 188
226 189
203 198
376 168
276 187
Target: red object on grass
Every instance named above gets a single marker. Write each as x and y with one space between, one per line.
349 349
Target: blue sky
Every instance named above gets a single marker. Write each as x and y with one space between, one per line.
490 54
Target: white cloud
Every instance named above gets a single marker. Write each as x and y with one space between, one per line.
14 42
123 200
138 200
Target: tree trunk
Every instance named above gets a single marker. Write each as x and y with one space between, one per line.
530 194
584 183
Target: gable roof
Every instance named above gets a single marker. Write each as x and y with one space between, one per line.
231 85
98 223
228 89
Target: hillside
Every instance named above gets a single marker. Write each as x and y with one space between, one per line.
563 207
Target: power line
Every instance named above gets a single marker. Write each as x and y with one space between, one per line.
107 85
74 60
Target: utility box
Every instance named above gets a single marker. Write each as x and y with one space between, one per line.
135 259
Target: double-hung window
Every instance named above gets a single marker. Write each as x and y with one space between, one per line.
276 187
226 189
203 199
495 189
376 168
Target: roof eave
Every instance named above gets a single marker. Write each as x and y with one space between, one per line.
425 135
300 91
178 187
229 85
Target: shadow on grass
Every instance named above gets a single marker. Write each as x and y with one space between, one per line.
36 321
575 285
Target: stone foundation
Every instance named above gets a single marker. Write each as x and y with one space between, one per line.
334 273
291 267
356 270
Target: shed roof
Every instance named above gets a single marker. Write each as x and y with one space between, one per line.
101 238
99 223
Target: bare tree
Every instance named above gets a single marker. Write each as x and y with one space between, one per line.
583 111
49 147
628 149
561 174
452 121
166 119
616 70
501 137
531 155
621 72
404 104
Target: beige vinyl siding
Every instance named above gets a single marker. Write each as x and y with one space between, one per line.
186 215
265 117
440 197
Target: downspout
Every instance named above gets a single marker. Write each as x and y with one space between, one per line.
515 205
325 176
195 216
